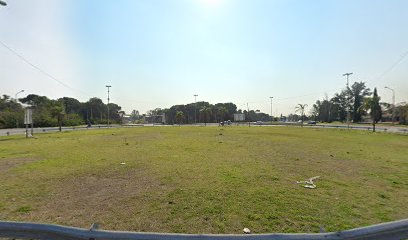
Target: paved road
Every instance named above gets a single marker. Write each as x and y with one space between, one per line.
21 131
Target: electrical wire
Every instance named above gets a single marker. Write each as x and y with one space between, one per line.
22 58
389 69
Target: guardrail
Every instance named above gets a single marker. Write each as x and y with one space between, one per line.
369 128
21 131
23 230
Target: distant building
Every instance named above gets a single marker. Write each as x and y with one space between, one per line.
160 118
239 117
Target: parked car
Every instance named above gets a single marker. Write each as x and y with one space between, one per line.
312 122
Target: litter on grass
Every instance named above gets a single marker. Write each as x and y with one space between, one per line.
247 231
122 163
309 183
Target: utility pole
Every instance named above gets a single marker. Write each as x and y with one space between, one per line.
195 108
108 86
271 109
393 103
348 99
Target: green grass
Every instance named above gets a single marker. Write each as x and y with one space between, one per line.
205 179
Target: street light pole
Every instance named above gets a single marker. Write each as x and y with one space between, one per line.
393 103
348 99
17 94
271 109
195 108
108 86
15 99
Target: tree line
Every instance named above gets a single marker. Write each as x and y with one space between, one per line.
201 112
355 103
197 112
64 111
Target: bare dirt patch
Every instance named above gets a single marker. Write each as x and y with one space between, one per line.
102 198
10 163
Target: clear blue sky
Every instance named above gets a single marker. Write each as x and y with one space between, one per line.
158 53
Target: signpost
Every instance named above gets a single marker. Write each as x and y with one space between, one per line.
28 119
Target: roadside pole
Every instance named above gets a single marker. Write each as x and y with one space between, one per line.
28 119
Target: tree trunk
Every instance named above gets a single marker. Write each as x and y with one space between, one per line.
373 125
60 122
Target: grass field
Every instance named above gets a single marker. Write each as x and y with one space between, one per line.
205 179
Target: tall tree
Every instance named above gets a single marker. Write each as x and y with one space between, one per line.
205 113
35 100
402 113
97 110
179 117
222 111
71 105
58 111
134 116
11 113
373 105
340 105
357 93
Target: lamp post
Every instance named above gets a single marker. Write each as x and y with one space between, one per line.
108 86
17 94
15 99
348 99
195 108
393 103
271 109
121 114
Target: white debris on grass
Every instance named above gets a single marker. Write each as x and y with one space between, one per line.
122 163
309 183
247 231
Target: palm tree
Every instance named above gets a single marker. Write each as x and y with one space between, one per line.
205 111
58 112
222 111
179 117
372 104
301 108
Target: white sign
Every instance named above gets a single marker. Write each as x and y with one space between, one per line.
28 116
239 117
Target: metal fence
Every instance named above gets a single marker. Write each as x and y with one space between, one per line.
21 230
369 128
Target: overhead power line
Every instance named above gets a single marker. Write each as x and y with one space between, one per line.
292 97
22 58
390 68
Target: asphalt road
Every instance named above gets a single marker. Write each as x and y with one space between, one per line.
21 131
